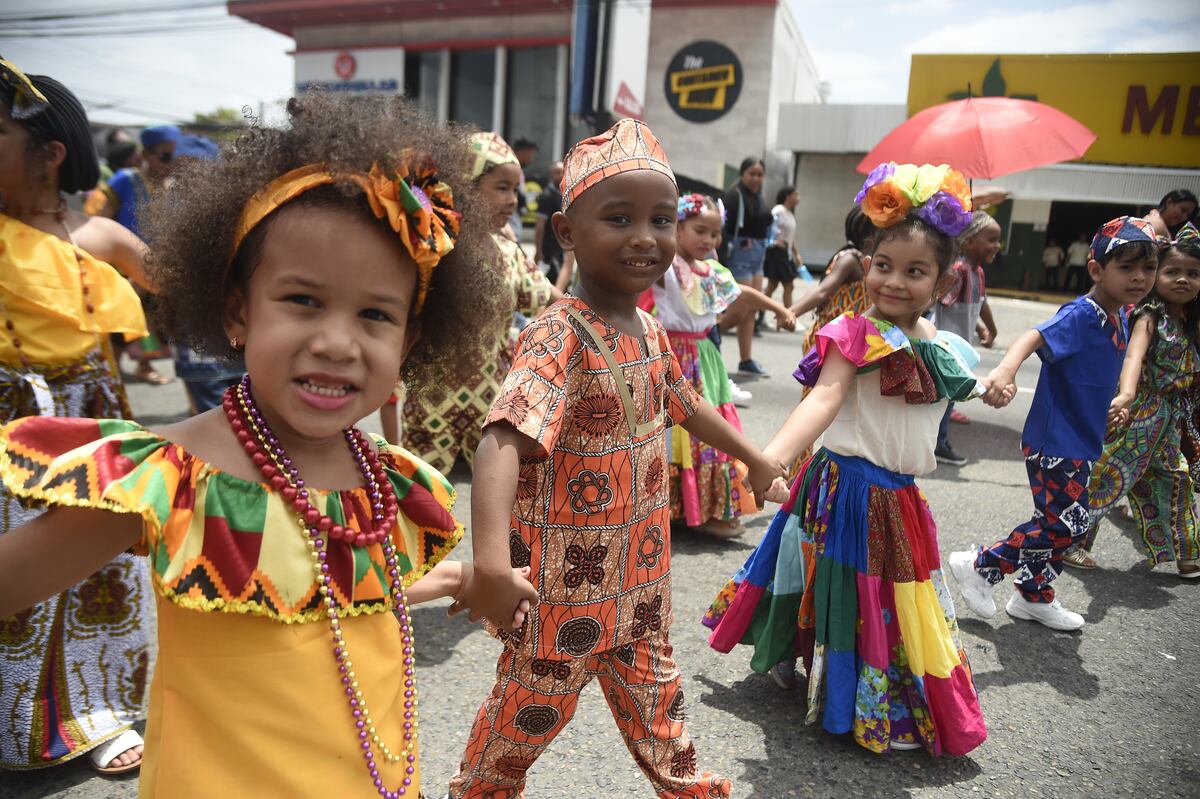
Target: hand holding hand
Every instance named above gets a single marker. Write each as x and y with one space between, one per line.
761 475
779 491
1002 387
785 322
503 598
1118 410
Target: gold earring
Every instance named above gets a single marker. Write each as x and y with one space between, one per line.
233 342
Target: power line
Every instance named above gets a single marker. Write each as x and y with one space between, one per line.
125 10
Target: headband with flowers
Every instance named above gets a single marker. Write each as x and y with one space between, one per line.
937 195
416 203
690 205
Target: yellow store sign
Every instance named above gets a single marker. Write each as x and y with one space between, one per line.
1144 108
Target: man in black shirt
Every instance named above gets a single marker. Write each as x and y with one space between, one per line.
546 247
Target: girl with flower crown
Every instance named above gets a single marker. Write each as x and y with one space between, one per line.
285 546
706 484
848 575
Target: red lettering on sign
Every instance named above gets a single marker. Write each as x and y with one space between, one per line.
1191 113
1138 102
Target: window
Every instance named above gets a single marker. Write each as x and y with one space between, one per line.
529 102
472 81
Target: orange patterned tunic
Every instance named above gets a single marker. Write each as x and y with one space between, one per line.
592 517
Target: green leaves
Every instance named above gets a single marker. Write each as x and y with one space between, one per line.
994 85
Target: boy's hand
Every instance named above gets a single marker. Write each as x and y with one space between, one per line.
503 598
1002 387
778 492
785 322
761 474
1118 409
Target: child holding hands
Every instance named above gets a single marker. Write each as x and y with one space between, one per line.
571 480
280 538
848 576
1081 349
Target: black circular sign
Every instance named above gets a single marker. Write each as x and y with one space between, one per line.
703 81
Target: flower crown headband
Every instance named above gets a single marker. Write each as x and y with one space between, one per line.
416 203
937 195
693 205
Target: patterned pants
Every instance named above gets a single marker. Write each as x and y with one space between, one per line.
1033 551
534 699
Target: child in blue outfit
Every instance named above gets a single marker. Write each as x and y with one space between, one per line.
1082 348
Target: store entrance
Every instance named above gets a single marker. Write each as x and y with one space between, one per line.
1070 221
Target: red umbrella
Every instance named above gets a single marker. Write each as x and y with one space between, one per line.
984 137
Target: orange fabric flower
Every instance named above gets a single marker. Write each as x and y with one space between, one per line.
885 204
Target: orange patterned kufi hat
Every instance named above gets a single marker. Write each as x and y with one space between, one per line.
626 146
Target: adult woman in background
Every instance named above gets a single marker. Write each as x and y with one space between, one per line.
747 223
73 669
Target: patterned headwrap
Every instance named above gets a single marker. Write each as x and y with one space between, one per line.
417 205
937 195
626 146
27 100
490 151
1122 230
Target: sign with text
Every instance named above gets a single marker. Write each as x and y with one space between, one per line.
703 81
1144 108
356 71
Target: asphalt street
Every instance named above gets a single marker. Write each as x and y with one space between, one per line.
1108 711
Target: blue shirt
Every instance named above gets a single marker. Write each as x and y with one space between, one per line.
130 190
1081 363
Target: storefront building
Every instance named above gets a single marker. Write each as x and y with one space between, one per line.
554 71
1144 108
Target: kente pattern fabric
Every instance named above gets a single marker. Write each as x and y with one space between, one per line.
43 297
442 422
92 640
217 542
534 699
626 146
1145 460
1033 551
238 633
592 517
849 578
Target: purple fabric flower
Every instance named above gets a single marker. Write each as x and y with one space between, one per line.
809 369
878 175
945 213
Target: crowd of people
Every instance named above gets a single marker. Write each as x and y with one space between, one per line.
317 273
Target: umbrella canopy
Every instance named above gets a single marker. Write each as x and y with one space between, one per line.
984 137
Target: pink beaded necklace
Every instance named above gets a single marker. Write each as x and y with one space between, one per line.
280 473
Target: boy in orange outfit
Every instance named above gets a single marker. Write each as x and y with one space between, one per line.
571 480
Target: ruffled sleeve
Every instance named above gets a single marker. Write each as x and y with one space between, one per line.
922 372
107 464
427 530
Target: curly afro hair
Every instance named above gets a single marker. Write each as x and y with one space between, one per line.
191 226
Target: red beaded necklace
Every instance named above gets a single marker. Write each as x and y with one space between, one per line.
280 473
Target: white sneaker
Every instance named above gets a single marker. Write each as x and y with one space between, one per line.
904 746
975 590
1052 614
741 397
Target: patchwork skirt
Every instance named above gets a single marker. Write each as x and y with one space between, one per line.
848 577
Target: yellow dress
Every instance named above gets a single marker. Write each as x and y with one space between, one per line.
246 699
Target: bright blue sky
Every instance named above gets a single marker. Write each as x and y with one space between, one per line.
861 47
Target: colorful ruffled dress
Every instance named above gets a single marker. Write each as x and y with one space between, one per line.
73 669
246 699
848 576
1145 460
705 482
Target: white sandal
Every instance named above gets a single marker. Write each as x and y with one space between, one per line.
107 752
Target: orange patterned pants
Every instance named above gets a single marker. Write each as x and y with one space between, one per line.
534 699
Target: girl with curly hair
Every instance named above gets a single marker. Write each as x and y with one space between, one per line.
333 255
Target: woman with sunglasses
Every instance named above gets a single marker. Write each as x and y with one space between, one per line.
127 193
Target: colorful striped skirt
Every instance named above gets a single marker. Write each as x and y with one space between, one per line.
705 482
848 577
